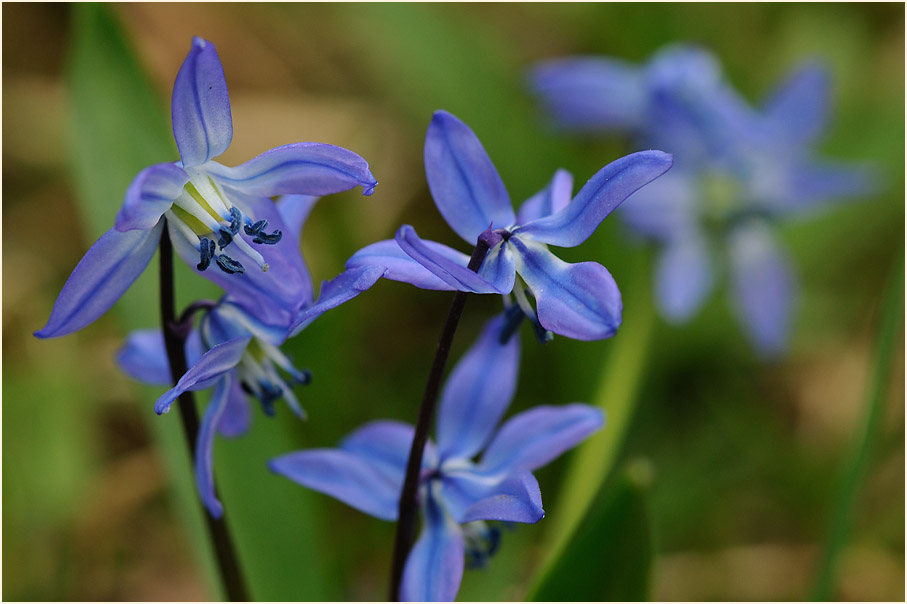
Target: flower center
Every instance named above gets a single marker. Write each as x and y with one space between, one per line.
204 215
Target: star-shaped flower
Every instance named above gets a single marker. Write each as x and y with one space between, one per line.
218 217
457 493
579 301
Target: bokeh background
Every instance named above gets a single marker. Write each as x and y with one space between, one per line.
735 465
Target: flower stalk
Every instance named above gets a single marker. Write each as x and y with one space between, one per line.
409 502
174 340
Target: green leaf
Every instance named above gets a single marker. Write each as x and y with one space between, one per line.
610 556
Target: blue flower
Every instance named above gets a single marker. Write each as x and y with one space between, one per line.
457 493
218 217
238 352
738 171
579 301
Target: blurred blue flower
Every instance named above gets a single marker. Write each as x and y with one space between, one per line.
215 214
457 494
238 353
579 301
738 171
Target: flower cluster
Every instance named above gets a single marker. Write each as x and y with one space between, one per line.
739 170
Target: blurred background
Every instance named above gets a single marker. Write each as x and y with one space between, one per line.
736 465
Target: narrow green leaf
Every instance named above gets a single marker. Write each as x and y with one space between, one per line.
857 463
610 556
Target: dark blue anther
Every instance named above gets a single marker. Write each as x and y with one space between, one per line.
206 251
229 265
494 540
268 239
255 228
303 378
269 394
513 318
541 334
235 220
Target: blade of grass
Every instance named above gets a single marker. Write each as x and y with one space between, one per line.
856 464
616 394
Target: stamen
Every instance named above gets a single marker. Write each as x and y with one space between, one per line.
229 265
251 252
235 220
206 249
513 318
255 228
268 239
225 239
268 395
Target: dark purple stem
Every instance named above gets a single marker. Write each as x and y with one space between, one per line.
175 334
409 502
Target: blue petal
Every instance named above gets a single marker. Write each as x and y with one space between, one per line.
294 209
517 499
144 357
477 393
202 124
549 200
386 445
579 301
535 437
342 288
683 278
590 93
438 262
237 415
762 287
605 191
434 567
346 476
401 267
464 183
151 194
806 185
798 109
230 320
212 365
499 267
666 208
106 271
204 448
300 168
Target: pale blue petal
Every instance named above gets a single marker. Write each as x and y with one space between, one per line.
106 271
342 288
464 183
451 272
230 320
299 168
401 267
517 499
579 301
606 190
798 109
762 287
202 124
151 194
808 185
237 416
477 393
212 365
294 210
590 93
499 267
549 200
342 475
204 448
434 567
144 357
386 445
535 437
683 278
460 488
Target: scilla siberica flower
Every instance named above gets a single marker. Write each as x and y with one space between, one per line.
238 353
579 301
457 494
217 216
738 170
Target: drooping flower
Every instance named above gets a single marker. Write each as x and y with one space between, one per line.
579 301
218 217
738 171
238 352
458 494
